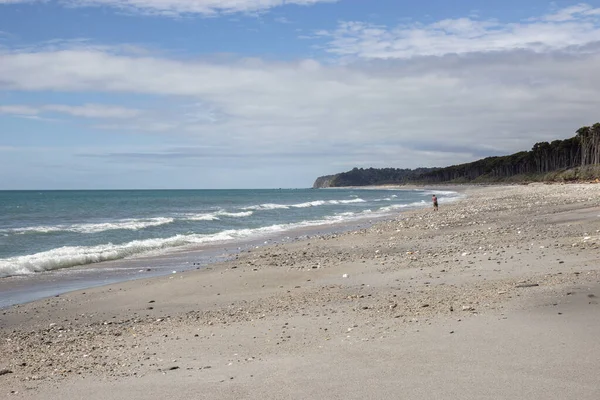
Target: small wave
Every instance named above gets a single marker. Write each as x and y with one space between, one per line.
215 215
421 203
201 217
326 202
440 193
268 206
235 215
124 224
316 203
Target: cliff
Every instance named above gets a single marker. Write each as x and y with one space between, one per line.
324 182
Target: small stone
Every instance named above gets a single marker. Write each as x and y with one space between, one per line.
527 285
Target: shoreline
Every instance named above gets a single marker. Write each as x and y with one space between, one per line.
21 289
303 316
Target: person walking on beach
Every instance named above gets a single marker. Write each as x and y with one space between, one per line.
435 202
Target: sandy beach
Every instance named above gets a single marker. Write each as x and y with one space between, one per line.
492 297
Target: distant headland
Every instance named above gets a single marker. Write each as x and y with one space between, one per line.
573 159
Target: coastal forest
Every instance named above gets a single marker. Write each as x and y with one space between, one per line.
573 159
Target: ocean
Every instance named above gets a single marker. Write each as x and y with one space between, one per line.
55 241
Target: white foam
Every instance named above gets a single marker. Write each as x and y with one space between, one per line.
440 193
235 215
201 217
124 224
71 256
357 200
214 216
310 204
268 206
416 204
316 203
325 202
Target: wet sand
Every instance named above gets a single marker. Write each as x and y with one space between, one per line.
492 297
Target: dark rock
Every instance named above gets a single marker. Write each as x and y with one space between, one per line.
526 285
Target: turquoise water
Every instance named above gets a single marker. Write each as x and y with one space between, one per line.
47 230
53 232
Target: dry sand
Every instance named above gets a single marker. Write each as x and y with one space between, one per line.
494 297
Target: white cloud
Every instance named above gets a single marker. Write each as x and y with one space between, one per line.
572 13
383 110
84 111
574 26
18 110
395 113
182 7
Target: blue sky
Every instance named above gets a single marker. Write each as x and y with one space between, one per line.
272 93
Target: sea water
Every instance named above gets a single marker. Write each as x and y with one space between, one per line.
54 232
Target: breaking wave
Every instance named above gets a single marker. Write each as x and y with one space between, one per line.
125 224
71 256
317 203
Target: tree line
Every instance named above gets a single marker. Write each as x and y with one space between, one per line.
545 157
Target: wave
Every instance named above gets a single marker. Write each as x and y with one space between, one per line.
125 224
72 256
316 203
235 215
349 216
439 193
215 215
267 206
386 209
201 217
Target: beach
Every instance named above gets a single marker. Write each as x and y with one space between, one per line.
495 296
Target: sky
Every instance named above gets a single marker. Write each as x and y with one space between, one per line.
185 94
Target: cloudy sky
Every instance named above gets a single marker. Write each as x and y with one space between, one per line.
273 93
